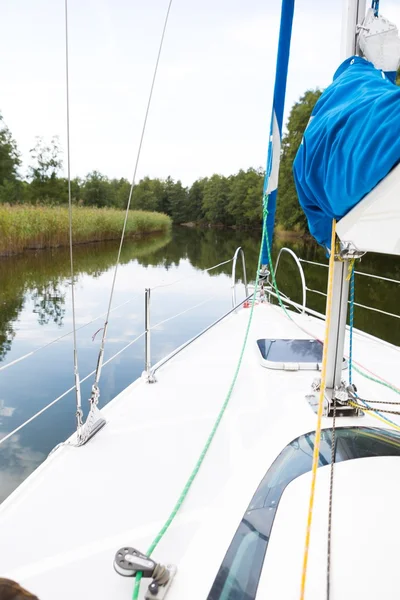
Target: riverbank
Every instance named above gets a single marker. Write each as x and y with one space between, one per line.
27 227
280 232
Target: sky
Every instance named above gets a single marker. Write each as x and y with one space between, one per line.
212 99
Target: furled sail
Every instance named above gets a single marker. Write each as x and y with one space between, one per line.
351 143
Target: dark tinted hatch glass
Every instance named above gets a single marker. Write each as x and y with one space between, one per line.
239 574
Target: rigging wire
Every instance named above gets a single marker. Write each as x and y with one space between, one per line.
79 413
95 388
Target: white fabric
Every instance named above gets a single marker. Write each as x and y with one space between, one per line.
379 42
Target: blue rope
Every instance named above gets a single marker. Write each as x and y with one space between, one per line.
372 409
375 6
352 286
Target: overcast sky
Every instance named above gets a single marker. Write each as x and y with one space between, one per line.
212 100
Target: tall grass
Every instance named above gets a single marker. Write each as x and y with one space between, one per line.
24 227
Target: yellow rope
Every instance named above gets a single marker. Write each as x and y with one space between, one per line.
320 411
372 414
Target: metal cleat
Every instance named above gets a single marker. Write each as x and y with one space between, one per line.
157 591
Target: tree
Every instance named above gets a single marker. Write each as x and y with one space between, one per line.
97 191
147 194
195 211
245 197
289 213
46 185
120 189
215 200
9 156
10 185
178 201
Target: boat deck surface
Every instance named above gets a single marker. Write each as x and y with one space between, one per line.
62 527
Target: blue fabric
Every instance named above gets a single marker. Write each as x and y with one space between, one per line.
282 61
351 143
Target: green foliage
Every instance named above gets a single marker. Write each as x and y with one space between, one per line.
176 198
9 156
289 213
46 184
215 200
9 163
44 226
195 212
245 196
97 191
147 195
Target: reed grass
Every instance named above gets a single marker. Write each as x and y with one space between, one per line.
23 227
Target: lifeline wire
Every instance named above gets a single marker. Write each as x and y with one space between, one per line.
101 352
79 413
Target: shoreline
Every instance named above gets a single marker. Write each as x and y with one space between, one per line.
41 228
132 236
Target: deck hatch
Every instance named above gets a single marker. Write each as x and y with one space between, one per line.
290 354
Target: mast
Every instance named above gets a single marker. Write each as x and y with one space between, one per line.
353 14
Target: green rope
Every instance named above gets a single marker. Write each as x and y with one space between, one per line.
272 270
384 383
202 456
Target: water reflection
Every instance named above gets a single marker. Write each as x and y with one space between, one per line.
35 309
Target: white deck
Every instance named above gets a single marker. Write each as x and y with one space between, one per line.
61 528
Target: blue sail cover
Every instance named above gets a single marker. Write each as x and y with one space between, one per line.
351 142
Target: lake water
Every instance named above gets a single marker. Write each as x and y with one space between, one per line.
35 308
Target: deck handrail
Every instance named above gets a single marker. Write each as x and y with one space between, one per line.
299 260
234 259
300 268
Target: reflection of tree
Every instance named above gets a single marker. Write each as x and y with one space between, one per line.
42 274
49 304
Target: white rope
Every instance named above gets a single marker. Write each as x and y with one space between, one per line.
101 353
14 431
24 356
162 285
79 413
